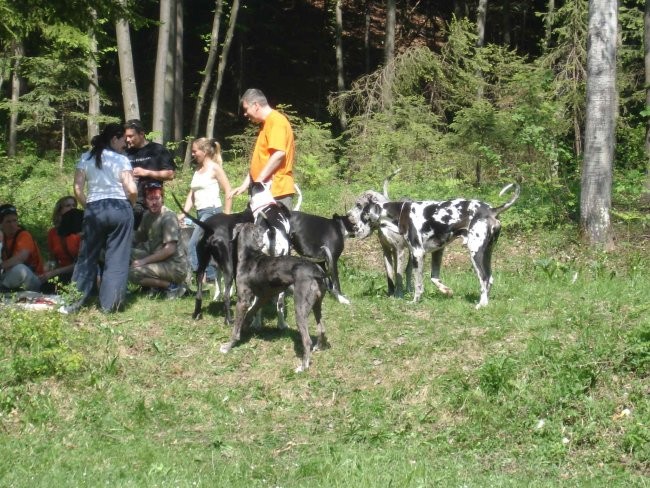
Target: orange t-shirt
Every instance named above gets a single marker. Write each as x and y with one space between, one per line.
58 251
275 135
23 240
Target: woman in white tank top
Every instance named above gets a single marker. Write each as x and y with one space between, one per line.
208 180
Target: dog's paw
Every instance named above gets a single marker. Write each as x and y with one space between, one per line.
282 325
302 368
343 300
321 346
225 348
444 289
197 316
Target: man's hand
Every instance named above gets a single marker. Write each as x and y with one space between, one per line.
140 172
238 191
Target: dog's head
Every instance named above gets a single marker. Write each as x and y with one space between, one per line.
248 236
365 213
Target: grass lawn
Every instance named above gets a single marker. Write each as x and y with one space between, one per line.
547 386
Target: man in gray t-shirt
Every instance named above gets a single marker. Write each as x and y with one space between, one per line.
158 257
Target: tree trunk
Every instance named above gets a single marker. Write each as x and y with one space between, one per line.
179 64
93 87
160 98
170 76
221 67
646 56
340 73
207 78
389 39
62 153
19 51
366 36
507 35
481 16
548 24
127 72
600 125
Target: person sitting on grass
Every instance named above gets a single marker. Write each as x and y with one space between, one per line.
64 244
21 258
158 261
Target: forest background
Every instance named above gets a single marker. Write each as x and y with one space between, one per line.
471 93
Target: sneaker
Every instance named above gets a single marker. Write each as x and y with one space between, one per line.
175 291
69 309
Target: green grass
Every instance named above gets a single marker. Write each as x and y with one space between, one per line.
529 391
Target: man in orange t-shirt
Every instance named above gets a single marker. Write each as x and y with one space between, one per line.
21 258
273 154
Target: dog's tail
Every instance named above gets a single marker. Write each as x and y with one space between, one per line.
329 264
387 180
206 228
299 194
510 202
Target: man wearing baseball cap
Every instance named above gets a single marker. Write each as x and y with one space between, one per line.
21 259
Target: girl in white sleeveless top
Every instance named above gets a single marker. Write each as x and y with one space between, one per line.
208 180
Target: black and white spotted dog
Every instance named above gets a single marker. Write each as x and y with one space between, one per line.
397 259
428 226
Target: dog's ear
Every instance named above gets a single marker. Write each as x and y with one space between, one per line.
404 219
374 212
344 222
236 230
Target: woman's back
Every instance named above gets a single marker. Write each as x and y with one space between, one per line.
104 182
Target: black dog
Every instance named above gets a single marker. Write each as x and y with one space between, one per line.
322 240
261 277
216 243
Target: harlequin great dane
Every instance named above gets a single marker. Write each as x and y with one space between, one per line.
397 259
428 226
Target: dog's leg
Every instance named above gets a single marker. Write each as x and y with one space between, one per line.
402 257
198 300
389 265
228 280
436 263
235 335
246 306
321 342
417 255
279 306
331 269
303 302
218 291
481 238
408 275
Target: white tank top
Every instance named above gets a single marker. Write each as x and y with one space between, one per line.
206 190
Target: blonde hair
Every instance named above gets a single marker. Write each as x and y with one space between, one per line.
56 214
210 147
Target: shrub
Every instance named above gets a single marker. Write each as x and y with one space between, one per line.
37 344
